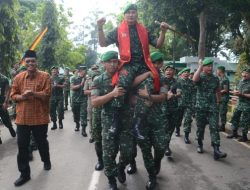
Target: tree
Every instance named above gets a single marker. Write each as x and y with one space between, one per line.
50 40
243 62
8 34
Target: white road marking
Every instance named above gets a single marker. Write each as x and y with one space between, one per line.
94 180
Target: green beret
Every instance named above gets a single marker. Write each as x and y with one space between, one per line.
156 56
54 67
169 66
82 67
207 61
246 69
109 55
184 70
130 7
221 68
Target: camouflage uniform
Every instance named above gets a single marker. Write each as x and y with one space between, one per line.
79 102
66 90
56 99
185 103
112 143
241 115
207 109
137 63
152 128
224 84
97 131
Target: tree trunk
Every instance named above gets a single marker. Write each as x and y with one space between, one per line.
202 39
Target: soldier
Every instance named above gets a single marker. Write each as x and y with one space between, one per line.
56 99
185 102
241 115
4 104
170 107
66 89
152 125
207 106
79 100
102 95
133 40
224 86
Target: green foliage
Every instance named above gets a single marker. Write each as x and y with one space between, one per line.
243 62
8 34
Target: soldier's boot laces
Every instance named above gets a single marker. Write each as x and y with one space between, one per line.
77 126
177 132
12 131
233 135
151 184
60 124
168 151
136 128
115 123
132 168
222 128
218 154
54 126
243 138
112 183
186 138
121 174
200 147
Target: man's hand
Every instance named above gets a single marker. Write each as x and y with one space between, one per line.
236 93
101 22
28 93
200 63
143 92
164 26
5 105
118 91
170 95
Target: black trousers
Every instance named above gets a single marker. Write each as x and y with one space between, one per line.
23 140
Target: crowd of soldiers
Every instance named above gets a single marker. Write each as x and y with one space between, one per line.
129 110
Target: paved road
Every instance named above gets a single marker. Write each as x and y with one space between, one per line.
73 160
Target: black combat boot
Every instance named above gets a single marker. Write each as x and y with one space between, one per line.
233 135
151 184
84 132
222 128
132 167
137 122
91 140
168 152
77 126
200 146
12 131
114 128
218 154
99 165
60 124
112 183
186 138
177 131
243 138
54 126
121 174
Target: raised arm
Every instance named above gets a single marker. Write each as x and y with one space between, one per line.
101 35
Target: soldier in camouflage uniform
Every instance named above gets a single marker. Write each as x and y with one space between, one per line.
4 103
148 106
241 115
133 41
224 86
79 100
185 102
102 95
207 106
170 107
66 89
56 99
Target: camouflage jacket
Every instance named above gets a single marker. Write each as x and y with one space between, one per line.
57 91
224 84
243 103
67 82
171 104
78 95
186 88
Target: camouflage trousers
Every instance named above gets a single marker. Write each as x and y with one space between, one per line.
211 117
241 119
223 112
56 108
186 113
113 143
170 122
96 131
155 136
79 110
66 94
